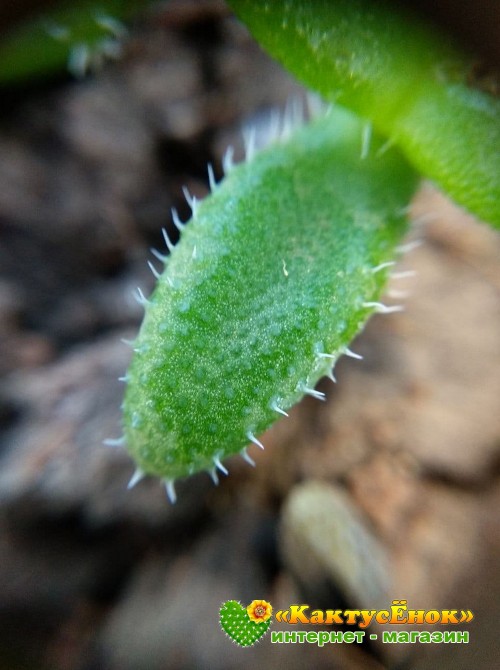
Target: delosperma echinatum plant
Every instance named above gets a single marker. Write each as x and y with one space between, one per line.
286 259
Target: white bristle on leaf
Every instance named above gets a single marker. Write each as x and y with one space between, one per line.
380 308
352 354
136 478
170 489
246 457
115 442
168 242
253 439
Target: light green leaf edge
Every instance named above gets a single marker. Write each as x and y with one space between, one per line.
407 79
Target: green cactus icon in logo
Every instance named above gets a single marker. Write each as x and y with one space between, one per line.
245 625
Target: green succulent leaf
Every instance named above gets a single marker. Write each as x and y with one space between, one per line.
278 270
408 80
74 35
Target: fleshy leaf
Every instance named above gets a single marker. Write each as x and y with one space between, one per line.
278 270
387 66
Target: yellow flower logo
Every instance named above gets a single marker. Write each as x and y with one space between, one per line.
259 611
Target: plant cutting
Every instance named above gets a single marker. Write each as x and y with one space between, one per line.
286 259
